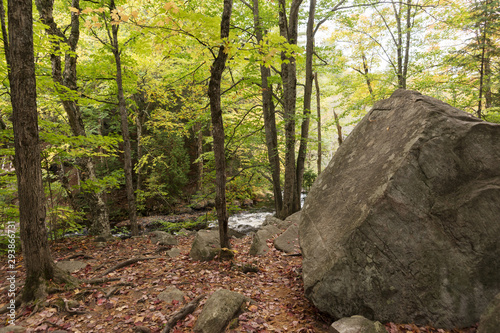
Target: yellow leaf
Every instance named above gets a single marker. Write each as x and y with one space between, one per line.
168 5
135 14
74 10
87 10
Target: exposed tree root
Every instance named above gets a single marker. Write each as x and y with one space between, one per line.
182 313
79 255
100 280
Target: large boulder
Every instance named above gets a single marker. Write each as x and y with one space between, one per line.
490 319
403 224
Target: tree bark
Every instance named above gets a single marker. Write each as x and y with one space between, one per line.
269 118
127 150
218 126
304 131
37 258
339 128
318 108
67 79
288 29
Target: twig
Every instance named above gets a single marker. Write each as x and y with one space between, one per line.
182 313
127 263
78 255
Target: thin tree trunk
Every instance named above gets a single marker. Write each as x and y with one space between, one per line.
37 258
288 29
269 118
481 75
367 77
304 133
99 215
127 150
218 127
339 128
318 108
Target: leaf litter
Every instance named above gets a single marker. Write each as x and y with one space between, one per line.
130 301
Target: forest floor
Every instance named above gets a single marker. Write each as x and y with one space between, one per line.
132 300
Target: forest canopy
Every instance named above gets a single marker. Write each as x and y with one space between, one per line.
122 81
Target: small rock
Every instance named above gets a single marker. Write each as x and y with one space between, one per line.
71 266
357 324
142 329
205 246
259 246
271 220
219 310
163 238
171 294
175 252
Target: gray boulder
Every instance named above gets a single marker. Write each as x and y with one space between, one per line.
403 224
163 238
294 218
259 245
218 311
271 220
205 246
357 324
490 319
288 241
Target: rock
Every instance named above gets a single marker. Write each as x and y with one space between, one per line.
163 238
490 319
259 245
12 329
205 246
248 202
185 232
175 252
142 329
403 224
357 324
218 311
294 218
71 266
171 294
288 241
271 220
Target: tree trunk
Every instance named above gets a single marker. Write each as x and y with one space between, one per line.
99 215
339 128
269 118
304 133
318 108
218 127
127 150
288 29
37 259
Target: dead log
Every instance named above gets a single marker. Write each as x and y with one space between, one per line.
182 313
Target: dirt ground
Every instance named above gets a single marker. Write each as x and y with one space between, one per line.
130 301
